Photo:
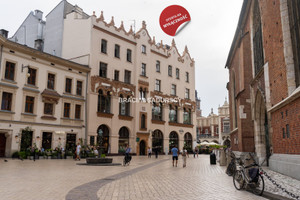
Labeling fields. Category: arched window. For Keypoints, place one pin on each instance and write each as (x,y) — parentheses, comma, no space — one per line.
(103,138)
(123,139)
(157,140)
(103,102)
(157,111)
(188,142)
(294,19)
(143,121)
(173,114)
(257,39)
(173,140)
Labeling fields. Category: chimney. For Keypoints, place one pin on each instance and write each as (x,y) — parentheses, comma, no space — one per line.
(39,44)
(4,33)
(38,14)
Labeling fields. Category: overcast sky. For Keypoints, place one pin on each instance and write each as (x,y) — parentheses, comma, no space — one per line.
(208,35)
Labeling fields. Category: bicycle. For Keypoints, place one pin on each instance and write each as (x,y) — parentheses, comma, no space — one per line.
(253,179)
(126,160)
(232,165)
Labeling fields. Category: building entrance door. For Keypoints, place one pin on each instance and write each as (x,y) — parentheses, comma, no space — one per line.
(142,148)
(2,145)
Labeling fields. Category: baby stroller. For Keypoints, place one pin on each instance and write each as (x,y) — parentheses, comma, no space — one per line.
(126,160)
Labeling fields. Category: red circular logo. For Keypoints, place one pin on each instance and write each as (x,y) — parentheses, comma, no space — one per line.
(172,17)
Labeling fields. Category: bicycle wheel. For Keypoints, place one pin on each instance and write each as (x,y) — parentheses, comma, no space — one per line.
(258,186)
(238,180)
(124,162)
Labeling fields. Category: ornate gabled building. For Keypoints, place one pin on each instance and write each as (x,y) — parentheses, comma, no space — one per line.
(264,92)
(131,66)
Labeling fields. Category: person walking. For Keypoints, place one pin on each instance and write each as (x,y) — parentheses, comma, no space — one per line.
(156,152)
(78,148)
(184,155)
(174,151)
(196,151)
(149,152)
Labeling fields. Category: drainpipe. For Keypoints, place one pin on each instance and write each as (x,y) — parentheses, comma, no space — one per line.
(86,107)
(1,50)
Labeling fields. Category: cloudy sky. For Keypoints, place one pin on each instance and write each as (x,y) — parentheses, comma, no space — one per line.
(208,35)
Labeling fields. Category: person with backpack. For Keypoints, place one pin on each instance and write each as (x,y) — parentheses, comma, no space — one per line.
(184,155)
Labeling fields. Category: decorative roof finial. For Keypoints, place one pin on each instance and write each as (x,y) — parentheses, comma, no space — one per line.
(121,26)
(144,24)
(101,18)
(161,43)
(112,22)
(153,40)
(130,30)
(186,49)
(173,43)
(94,13)
(212,111)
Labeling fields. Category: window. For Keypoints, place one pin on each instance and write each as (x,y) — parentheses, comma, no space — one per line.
(103,46)
(77,111)
(117,51)
(177,73)
(170,70)
(129,55)
(226,127)
(187,93)
(157,85)
(6,101)
(68,88)
(142,93)
(10,71)
(144,49)
(48,109)
(173,89)
(157,66)
(187,77)
(294,15)
(79,88)
(157,111)
(283,133)
(67,110)
(287,131)
(143,121)
(173,114)
(103,70)
(51,81)
(143,69)
(187,116)
(29,104)
(103,102)
(127,76)
(124,106)
(257,39)
(92,140)
(117,75)
(32,76)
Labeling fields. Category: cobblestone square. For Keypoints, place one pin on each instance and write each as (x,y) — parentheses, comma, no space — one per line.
(143,179)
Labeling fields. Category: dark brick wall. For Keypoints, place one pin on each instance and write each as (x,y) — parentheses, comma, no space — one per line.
(288,115)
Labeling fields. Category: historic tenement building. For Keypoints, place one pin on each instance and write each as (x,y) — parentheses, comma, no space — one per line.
(42,99)
(132,66)
(215,128)
(127,65)
(264,90)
